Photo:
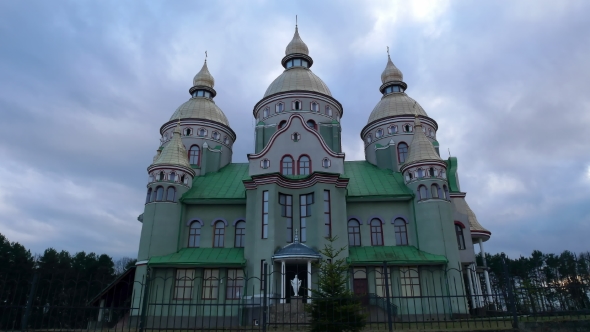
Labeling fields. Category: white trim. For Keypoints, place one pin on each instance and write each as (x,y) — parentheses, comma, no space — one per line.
(144,262)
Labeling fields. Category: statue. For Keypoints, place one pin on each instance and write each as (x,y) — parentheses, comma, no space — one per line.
(296,283)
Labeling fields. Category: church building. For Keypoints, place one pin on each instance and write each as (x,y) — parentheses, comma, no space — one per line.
(211,227)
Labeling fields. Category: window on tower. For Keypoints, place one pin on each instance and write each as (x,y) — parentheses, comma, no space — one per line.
(282,124)
(402,152)
(266,112)
(422,193)
(149,194)
(328,110)
(379,133)
(265,214)
(216,136)
(311,124)
(315,107)
(434,191)
(171,194)
(297,63)
(460,237)
(327,215)
(392,130)
(172,176)
(194,155)
(297,105)
(188,132)
(280,107)
(159,194)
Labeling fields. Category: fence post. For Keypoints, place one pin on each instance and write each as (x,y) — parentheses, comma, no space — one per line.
(387,297)
(145,301)
(511,298)
(264,293)
(29,304)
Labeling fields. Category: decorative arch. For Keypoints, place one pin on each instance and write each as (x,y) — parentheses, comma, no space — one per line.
(355,217)
(194,155)
(238,220)
(402,152)
(299,164)
(375,217)
(460,224)
(284,160)
(188,223)
(399,216)
(297,105)
(219,219)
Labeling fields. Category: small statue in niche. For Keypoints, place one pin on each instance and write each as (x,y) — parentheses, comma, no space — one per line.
(296,283)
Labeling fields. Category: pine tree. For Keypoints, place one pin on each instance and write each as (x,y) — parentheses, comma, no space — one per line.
(334,307)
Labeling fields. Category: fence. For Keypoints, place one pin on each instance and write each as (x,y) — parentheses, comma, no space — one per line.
(381,298)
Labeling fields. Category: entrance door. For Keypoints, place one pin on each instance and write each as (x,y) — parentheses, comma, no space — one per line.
(291,271)
(361,289)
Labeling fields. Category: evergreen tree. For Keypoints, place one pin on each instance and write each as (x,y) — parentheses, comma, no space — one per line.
(334,307)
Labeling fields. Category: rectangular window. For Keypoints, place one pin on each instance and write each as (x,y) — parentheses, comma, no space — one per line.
(235,284)
(305,202)
(380,282)
(210,284)
(410,281)
(286,202)
(327,215)
(183,287)
(265,214)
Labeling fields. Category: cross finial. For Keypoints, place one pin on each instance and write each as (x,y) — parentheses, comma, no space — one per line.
(295,20)
(205,56)
(449,152)
(387,50)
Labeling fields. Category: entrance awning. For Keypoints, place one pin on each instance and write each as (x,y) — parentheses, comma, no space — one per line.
(201,257)
(393,255)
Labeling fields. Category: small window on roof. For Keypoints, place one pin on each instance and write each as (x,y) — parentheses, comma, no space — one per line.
(392,130)
(266,112)
(379,133)
(315,107)
(328,110)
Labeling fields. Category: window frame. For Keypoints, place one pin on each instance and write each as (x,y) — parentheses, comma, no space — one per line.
(180,283)
(218,234)
(191,155)
(210,284)
(379,133)
(195,236)
(173,200)
(240,234)
(280,107)
(356,234)
(159,194)
(460,234)
(328,110)
(327,214)
(296,103)
(149,195)
(299,165)
(400,153)
(305,213)
(316,108)
(292,167)
(392,130)
(409,276)
(265,207)
(420,196)
(234,284)
(376,232)
(266,112)
(286,203)
(401,232)
(311,124)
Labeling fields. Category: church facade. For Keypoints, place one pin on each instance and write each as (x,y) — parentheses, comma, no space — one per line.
(211,227)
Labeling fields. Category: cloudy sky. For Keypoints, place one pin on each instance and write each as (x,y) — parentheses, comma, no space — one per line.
(85,86)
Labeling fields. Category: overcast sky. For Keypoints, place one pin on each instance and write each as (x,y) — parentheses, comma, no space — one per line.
(85,87)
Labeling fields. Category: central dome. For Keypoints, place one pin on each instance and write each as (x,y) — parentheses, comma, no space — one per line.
(297,78)
(200,108)
(396,104)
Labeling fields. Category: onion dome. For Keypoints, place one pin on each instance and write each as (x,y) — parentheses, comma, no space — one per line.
(421,148)
(391,73)
(477,230)
(296,45)
(201,105)
(297,75)
(174,153)
(203,77)
(394,101)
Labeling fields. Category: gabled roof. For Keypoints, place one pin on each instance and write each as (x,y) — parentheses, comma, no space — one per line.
(393,255)
(367,179)
(201,257)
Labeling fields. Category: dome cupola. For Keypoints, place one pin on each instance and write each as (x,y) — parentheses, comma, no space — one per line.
(174,153)
(201,105)
(421,148)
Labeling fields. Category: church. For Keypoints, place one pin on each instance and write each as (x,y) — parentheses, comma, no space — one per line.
(211,227)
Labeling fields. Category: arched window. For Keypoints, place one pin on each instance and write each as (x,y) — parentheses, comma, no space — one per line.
(401,232)
(149,194)
(422,193)
(354,233)
(265,163)
(431,171)
(326,163)
(407,128)
(240,236)
(446,191)
(172,176)
(282,124)
(402,152)
(194,235)
(159,194)
(218,234)
(369,138)
(379,133)
(376,232)
(430,133)
(153,197)
(280,107)
(161,176)
(311,124)
(296,105)
(443,174)
(216,136)
(182,178)
(392,130)
(315,107)
(304,165)
(266,112)
(225,140)
(188,132)
(287,165)
(194,155)
(328,110)
(420,173)
(151,178)
(202,132)
(434,191)
(460,237)
(171,194)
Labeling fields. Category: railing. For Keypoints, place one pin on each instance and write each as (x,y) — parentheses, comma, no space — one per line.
(160,301)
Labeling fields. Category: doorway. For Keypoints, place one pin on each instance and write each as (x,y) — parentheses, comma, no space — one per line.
(299,270)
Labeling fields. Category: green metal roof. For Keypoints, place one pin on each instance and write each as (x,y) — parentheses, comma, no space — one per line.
(225,183)
(202,257)
(393,255)
(367,179)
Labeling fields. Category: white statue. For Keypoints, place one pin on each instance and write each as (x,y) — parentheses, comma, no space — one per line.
(296,283)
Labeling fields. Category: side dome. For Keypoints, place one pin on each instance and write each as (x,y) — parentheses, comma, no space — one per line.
(396,104)
(297,78)
(200,108)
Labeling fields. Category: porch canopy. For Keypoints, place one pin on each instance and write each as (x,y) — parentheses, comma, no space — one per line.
(201,257)
(393,255)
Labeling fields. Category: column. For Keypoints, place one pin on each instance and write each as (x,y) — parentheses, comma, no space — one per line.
(283,277)
(308,281)
(485,271)
(471,290)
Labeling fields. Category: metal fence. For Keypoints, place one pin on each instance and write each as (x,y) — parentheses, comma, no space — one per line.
(394,299)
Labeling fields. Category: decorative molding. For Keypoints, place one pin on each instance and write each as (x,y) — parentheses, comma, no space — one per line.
(404,218)
(282,181)
(355,218)
(219,219)
(188,223)
(375,217)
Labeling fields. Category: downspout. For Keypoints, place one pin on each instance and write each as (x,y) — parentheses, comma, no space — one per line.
(415,222)
(180,225)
